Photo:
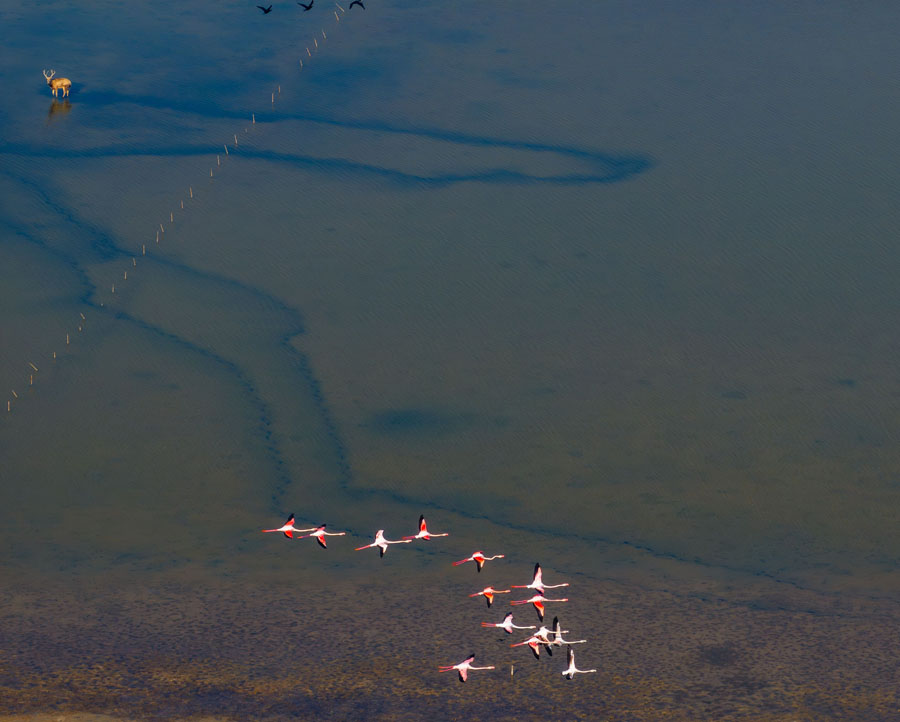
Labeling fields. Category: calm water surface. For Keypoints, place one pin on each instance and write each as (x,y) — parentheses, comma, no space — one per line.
(607,286)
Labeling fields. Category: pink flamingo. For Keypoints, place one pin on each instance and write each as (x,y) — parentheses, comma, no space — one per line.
(538,583)
(538,601)
(463,667)
(479,558)
(558,641)
(423,531)
(488,593)
(320,535)
(382,543)
(288,528)
(535,643)
(506,624)
(572,669)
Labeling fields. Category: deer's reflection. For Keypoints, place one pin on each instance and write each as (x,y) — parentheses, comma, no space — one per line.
(58,108)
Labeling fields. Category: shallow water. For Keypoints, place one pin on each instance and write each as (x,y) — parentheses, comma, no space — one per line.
(607,287)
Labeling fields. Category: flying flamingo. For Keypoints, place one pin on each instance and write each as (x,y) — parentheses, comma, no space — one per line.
(382,543)
(538,583)
(558,641)
(572,669)
(488,593)
(479,558)
(288,528)
(320,535)
(538,601)
(463,667)
(423,531)
(535,643)
(506,624)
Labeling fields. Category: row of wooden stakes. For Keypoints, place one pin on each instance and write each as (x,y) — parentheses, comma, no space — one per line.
(160,232)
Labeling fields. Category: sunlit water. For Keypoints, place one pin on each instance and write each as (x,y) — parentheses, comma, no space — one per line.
(605,286)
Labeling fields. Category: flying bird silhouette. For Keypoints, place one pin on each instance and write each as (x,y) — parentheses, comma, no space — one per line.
(266,11)
(306,7)
(356,2)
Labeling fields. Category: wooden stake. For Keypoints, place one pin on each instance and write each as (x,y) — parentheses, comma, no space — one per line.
(67,339)
(273,98)
(307,52)
(14,393)
(301,63)
(226,148)
(133,262)
(324,36)
(31,379)
(126,276)
(316,41)
(336,17)
(253,116)
(182,205)
(210,173)
(162,230)
(113,290)
(32,366)
(171,217)
(218,160)
(235,140)
(191,191)
(279,90)
(143,250)
(54,354)
(157,236)
(82,316)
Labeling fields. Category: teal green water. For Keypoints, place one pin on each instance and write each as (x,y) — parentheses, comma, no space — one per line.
(607,287)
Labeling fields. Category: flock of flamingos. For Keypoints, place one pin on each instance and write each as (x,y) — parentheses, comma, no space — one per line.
(543,637)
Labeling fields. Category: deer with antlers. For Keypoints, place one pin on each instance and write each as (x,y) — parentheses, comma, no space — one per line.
(58,84)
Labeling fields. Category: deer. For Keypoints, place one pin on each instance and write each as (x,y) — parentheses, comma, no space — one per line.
(58,84)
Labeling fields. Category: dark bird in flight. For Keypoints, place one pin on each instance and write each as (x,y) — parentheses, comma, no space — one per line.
(306,7)
(266,11)
(357,2)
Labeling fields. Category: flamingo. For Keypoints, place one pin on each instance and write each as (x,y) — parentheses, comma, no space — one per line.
(506,624)
(288,528)
(381,542)
(538,601)
(320,535)
(488,593)
(538,583)
(463,667)
(423,531)
(535,643)
(572,670)
(479,558)
(558,633)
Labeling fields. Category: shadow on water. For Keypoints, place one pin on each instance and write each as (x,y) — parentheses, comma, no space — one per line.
(58,109)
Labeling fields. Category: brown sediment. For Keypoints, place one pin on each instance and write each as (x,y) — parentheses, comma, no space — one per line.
(364,650)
